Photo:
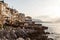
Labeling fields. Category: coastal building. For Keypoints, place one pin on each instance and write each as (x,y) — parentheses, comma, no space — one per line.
(15,15)
(21,17)
(28,18)
(3,7)
(2,11)
(10,13)
(19,26)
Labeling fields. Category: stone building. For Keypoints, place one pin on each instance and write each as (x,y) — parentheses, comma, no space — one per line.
(28,18)
(21,17)
(2,11)
(15,15)
(10,13)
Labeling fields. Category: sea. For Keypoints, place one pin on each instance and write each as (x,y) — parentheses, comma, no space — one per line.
(54,29)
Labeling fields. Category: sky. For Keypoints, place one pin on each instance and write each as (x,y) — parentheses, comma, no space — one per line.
(37,8)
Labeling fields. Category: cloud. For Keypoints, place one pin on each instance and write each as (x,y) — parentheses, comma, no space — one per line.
(37,7)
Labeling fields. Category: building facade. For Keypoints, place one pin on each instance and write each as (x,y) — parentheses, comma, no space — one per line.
(10,13)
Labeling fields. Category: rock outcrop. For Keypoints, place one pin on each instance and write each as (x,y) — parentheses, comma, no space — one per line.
(15,25)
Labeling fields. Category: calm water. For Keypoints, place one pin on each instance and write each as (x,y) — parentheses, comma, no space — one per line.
(53,28)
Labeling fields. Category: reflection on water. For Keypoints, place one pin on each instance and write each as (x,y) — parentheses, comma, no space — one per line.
(53,28)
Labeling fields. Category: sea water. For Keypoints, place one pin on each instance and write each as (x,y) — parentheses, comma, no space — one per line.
(53,28)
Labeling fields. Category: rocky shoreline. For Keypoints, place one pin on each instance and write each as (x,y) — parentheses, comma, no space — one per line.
(15,25)
(31,32)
